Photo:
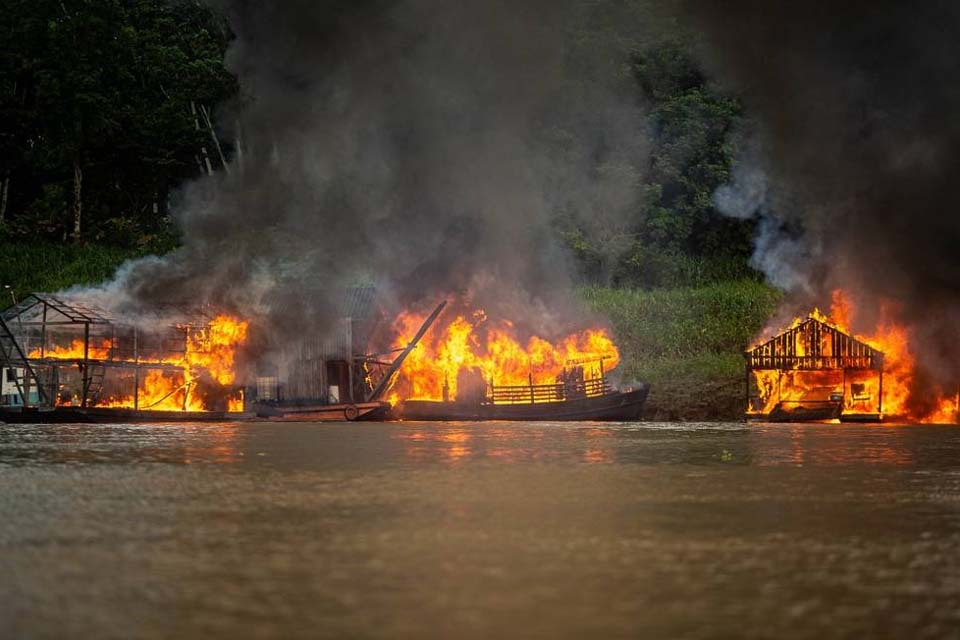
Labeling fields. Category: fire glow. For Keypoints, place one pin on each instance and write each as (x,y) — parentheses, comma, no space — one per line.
(209,359)
(471,350)
(861,390)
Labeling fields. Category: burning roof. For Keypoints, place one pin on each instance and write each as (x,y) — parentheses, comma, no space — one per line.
(819,360)
(814,345)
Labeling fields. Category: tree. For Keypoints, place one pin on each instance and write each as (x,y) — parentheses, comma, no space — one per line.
(99,95)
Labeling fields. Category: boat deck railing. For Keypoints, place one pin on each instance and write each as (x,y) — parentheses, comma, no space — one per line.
(556,392)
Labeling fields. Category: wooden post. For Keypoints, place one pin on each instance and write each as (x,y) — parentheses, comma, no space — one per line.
(530,380)
(843,399)
(85,367)
(26,387)
(43,333)
(880,394)
(136,370)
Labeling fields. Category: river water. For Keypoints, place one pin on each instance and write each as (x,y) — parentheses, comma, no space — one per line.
(499,530)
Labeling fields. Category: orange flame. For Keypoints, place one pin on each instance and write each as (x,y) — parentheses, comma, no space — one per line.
(210,352)
(861,390)
(475,351)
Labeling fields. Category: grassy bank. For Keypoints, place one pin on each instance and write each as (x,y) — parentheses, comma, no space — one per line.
(42,266)
(687,343)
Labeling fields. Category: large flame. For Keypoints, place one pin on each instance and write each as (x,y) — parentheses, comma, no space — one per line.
(472,349)
(210,355)
(862,389)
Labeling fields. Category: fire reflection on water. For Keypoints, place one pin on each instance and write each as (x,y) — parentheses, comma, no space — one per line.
(596,453)
(221,447)
(802,445)
(453,444)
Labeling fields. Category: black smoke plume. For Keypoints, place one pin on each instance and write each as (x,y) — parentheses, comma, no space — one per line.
(854,156)
(394,142)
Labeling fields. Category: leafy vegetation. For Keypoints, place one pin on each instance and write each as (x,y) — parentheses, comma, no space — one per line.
(53,266)
(103,107)
(687,343)
(670,234)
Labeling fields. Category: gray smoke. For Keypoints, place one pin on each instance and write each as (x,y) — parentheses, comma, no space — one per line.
(408,143)
(856,107)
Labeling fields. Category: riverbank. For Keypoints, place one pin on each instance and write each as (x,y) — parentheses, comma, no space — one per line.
(687,343)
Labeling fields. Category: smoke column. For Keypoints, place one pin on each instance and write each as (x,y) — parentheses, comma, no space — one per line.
(855,152)
(394,140)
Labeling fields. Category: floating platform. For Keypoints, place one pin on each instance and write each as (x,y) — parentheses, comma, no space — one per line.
(814,412)
(44,415)
(617,406)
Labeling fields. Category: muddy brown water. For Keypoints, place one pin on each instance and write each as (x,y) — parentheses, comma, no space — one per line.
(492,530)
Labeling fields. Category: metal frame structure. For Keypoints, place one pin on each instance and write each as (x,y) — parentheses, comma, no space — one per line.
(35,332)
(814,345)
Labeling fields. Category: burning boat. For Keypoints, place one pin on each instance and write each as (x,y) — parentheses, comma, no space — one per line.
(63,361)
(475,368)
(333,377)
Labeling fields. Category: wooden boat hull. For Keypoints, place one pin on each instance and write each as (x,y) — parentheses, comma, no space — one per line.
(98,415)
(323,412)
(813,411)
(618,406)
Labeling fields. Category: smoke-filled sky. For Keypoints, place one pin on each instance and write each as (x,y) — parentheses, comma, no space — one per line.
(399,142)
(853,154)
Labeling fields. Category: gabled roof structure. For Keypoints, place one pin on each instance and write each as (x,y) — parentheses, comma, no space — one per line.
(814,345)
(49,309)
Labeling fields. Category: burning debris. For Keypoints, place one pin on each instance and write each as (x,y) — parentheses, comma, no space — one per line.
(818,369)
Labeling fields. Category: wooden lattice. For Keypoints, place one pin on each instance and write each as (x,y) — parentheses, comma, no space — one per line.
(813,346)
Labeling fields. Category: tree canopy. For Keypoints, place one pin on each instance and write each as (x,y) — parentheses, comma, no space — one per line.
(105,97)
(108,106)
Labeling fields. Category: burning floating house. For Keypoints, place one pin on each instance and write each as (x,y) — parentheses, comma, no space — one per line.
(62,360)
(814,371)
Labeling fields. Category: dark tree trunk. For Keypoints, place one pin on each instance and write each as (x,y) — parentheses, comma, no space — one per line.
(4,197)
(77,198)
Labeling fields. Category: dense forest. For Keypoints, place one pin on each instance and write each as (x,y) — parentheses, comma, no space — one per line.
(108,107)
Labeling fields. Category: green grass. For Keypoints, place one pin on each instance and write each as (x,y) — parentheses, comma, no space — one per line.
(41,266)
(687,343)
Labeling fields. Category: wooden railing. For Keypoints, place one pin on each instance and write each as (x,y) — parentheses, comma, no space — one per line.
(557,392)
